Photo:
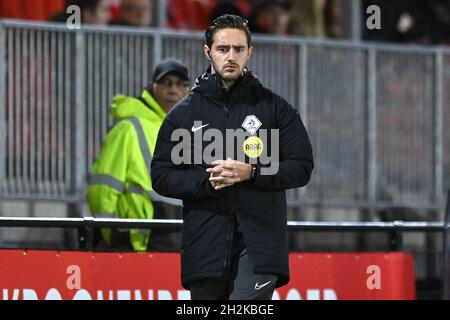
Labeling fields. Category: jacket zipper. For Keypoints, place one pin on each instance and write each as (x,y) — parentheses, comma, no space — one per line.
(229,248)
(231,226)
(227,113)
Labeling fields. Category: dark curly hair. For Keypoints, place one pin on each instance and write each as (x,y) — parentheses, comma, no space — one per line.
(224,22)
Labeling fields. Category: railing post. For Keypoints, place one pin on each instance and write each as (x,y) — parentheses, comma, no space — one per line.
(372,166)
(162,12)
(446,253)
(395,240)
(85,239)
(356,20)
(81,236)
(2,101)
(303,98)
(79,166)
(438,126)
(2,119)
(303,83)
(157,47)
(86,236)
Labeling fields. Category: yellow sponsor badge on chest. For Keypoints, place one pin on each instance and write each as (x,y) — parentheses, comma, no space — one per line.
(253,147)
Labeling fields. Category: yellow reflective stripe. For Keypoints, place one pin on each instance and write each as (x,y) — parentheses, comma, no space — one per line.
(145,150)
(108,180)
(134,188)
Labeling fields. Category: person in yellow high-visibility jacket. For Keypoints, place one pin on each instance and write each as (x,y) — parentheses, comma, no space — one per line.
(119,184)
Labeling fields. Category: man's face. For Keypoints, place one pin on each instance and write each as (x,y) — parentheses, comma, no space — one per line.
(169,90)
(137,12)
(229,54)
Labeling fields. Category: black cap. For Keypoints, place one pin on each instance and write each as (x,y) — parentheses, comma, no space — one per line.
(170,66)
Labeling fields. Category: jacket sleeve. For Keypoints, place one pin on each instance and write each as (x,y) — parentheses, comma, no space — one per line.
(180,181)
(107,178)
(295,154)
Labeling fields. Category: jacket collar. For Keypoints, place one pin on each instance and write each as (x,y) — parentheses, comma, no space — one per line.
(211,86)
(144,106)
(151,103)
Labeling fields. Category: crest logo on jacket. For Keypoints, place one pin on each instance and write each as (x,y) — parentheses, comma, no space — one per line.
(251,124)
(204,144)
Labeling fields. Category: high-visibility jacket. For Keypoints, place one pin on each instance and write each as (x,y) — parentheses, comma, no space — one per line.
(119,185)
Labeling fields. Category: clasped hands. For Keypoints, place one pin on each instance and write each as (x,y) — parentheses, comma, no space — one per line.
(226,173)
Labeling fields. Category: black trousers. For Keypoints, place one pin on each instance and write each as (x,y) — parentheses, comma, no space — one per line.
(239,282)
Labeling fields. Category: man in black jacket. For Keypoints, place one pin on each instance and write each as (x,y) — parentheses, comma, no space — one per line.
(229,150)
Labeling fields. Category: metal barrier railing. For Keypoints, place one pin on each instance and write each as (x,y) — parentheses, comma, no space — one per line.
(88,224)
(375,113)
(395,230)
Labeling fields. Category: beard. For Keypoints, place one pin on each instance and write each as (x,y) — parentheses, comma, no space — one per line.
(226,75)
(230,76)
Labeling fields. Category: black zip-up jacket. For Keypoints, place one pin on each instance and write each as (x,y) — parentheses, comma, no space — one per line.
(259,205)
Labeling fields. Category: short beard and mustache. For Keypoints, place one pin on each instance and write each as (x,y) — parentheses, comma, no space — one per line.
(230,76)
